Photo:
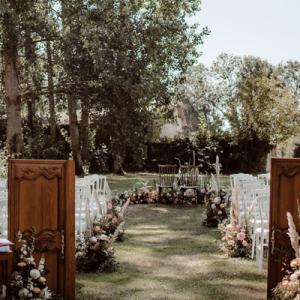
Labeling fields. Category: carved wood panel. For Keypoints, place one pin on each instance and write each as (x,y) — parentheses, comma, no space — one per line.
(41,205)
(285,189)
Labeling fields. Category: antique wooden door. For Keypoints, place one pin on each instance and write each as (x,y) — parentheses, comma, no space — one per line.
(41,199)
(285,189)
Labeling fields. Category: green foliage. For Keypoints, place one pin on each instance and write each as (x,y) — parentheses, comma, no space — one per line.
(119,61)
(248,99)
(262,105)
(38,145)
(133,53)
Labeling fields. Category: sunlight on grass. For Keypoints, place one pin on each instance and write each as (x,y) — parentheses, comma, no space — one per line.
(168,254)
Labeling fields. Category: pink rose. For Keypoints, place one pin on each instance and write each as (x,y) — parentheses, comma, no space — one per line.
(36,290)
(241,236)
(93,240)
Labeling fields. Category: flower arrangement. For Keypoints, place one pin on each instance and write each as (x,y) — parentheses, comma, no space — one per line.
(94,249)
(235,240)
(94,253)
(215,200)
(139,196)
(29,280)
(170,197)
(289,287)
(141,193)
(215,208)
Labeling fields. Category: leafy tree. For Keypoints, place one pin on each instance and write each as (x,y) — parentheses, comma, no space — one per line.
(262,104)
(289,74)
(256,103)
(139,49)
(116,61)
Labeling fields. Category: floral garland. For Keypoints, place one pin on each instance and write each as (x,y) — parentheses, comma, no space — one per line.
(142,193)
(94,251)
(140,196)
(235,240)
(29,280)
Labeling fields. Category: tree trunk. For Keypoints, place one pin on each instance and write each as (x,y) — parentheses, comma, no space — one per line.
(30,116)
(118,153)
(74,134)
(30,61)
(51,99)
(118,164)
(84,132)
(72,105)
(11,86)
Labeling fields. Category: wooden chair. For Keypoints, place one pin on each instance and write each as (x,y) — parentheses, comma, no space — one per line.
(167,178)
(188,178)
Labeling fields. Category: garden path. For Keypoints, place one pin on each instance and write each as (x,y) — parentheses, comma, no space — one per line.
(168,254)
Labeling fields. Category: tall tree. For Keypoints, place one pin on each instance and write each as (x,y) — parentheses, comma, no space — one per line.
(139,50)
(9,25)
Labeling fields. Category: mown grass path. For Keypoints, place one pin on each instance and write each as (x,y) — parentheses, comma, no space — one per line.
(168,254)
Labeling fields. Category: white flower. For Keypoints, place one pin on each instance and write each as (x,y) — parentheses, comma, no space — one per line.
(213,206)
(35,274)
(231,243)
(23,293)
(217,200)
(45,293)
(42,280)
(189,193)
(104,237)
(41,264)
(294,277)
(93,240)
(29,260)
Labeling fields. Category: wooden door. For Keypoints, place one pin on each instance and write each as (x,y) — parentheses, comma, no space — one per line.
(285,189)
(41,199)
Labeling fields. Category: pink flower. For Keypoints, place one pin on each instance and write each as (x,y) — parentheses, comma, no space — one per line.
(142,190)
(93,240)
(241,236)
(36,290)
(109,206)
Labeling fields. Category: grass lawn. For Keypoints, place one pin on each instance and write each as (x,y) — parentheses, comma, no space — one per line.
(168,254)
(120,184)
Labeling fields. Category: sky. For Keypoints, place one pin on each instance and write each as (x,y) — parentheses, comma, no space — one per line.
(269,29)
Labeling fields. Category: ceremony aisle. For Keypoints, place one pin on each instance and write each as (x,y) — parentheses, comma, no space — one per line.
(168,254)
